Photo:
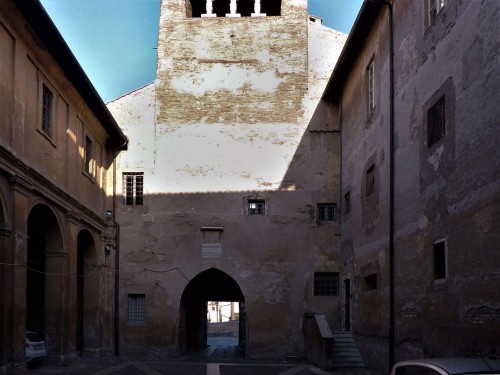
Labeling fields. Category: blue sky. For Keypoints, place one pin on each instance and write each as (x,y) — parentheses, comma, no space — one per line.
(115,40)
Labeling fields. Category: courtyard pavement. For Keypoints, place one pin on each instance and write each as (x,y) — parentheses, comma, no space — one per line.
(220,358)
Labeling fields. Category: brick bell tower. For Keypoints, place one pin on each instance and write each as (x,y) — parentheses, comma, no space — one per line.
(232,62)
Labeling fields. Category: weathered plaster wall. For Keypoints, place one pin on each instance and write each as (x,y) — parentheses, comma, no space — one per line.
(206,66)
(457,183)
(217,140)
(448,191)
(25,67)
(46,202)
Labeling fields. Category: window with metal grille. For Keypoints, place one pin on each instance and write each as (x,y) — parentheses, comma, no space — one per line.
(327,211)
(326,284)
(89,156)
(440,261)
(133,184)
(436,119)
(136,308)
(256,207)
(47,105)
(370,83)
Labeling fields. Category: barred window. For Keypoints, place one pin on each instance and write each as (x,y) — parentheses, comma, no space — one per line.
(136,308)
(327,211)
(257,207)
(47,107)
(326,283)
(436,122)
(133,183)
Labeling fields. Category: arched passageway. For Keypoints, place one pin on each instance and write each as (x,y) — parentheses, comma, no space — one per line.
(88,322)
(209,285)
(44,275)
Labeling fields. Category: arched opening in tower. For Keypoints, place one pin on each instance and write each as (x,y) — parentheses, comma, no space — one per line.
(212,288)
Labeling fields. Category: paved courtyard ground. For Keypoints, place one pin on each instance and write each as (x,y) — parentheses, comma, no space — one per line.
(221,357)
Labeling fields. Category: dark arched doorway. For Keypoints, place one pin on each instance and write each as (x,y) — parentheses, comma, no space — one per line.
(87,325)
(209,285)
(44,274)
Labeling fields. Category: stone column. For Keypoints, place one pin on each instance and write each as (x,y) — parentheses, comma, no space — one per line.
(257,10)
(17,255)
(209,10)
(70,306)
(232,9)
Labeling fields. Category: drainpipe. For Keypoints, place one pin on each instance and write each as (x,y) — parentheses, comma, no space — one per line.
(391,182)
(117,263)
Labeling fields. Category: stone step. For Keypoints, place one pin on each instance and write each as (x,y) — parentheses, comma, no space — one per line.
(346,352)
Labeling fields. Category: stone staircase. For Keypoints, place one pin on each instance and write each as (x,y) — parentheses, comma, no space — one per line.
(345,351)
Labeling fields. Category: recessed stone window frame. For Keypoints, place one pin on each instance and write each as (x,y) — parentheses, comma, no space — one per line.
(436,121)
(347,202)
(47,123)
(370,180)
(440,259)
(89,157)
(47,108)
(441,106)
(370,88)
(370,282)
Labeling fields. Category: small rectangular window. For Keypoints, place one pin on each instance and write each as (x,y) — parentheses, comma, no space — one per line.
(327,211)
(257,207)
(47,110)
(347,202)
(370,282)
(436,119)
(440,260)
(136,308)
(133,187)
(370,180)
(89,156)
(370,83)
(326,284)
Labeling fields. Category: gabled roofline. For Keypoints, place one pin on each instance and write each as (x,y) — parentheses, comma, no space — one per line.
(40,22)
(355,41)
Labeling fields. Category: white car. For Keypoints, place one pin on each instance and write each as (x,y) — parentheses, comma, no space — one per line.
(35,348)
(447,366)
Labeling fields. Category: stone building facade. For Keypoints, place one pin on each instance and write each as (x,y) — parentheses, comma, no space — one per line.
(231,181)
(57,145)
(420,179)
